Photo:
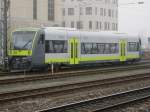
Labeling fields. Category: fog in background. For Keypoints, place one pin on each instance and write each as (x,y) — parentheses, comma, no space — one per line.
(135,18)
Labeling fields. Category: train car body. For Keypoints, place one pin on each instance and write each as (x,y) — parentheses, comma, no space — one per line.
(40,47)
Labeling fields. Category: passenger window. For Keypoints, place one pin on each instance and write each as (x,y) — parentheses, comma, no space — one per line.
(99,48)
(133,46)
(56,46)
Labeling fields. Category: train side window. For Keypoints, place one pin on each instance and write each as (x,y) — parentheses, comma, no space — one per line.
(107,48)
(83,48)
(101,48)
(94,48)
(88,48)
(138,46)
(56,46)
(114,48)
(133,46)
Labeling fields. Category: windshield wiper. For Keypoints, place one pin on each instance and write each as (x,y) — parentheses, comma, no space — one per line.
(26,44)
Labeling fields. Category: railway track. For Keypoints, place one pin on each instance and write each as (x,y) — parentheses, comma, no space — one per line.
(75,68)
(38,90)
(104,103)
(11,79)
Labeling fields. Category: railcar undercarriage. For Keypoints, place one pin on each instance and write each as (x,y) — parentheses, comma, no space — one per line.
(20,63)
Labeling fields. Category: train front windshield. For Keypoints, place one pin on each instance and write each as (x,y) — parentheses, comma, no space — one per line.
(22,40)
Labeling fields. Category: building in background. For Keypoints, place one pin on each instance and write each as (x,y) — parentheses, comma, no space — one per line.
(90,14)
(81,14)
(32,13)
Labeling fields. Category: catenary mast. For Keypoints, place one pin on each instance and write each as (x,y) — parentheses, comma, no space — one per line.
(4,25)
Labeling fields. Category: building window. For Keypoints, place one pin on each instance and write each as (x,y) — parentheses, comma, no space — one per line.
(112,13)
(115,1)
(109,12)
(72,24)
(63,11)
(50,9)
(116,13)
(116,26)
(97,25)
(90,24)
(34,9)
(105,26)
(96,10)
(70,11)
(88,10)
(108,26)
(101,11)
(81,11)
(63,24)
(79,25)
(104,12)
(100,25)
(107,1)
(113,26)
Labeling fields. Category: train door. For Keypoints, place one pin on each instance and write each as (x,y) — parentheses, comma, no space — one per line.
(39,50)
(74,46)
(123,50)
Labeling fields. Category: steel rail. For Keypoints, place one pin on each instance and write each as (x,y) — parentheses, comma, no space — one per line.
(27,78)
(34,92)
(17,72)
(103,103)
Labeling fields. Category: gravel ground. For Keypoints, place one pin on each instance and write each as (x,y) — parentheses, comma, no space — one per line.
(142,106)
(146,55)
(33,104)
(68,80)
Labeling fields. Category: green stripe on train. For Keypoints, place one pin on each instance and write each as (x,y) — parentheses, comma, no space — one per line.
(56,60)
(74,43)
(20,52)
(122,50)
(98,58)
(101,58)
(133,56)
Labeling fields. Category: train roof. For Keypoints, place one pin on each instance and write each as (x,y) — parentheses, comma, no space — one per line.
(106,34)
(60,28)
(89,33)
(27,29)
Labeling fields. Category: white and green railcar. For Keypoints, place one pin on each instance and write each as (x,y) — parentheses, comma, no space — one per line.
(40,47)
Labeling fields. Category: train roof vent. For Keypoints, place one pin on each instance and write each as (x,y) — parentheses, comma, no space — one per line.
(61,28)
(120,33)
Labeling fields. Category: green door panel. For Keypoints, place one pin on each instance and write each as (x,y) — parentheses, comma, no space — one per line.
(74,43)
(71,42)
(123,45)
